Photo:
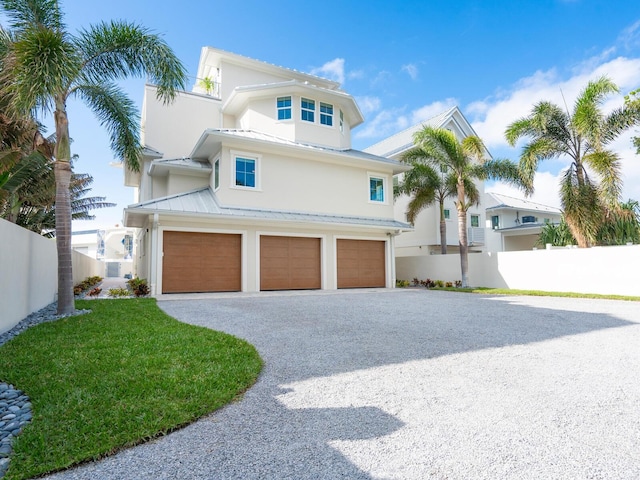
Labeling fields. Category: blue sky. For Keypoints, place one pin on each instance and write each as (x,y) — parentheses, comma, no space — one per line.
(402,61)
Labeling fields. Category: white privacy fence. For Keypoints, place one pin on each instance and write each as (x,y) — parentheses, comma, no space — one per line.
(604,270)
(29,272)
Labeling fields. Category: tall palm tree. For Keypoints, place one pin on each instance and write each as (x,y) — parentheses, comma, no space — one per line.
(582,136)
(466,161)
(44,65)
(426,185)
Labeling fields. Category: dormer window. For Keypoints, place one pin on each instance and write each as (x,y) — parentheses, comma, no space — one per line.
(284,108)
(307,108)
(326,114)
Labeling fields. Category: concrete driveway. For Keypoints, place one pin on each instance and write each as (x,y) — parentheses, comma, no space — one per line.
(412,384)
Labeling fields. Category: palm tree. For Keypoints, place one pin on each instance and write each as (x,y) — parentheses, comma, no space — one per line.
(44,66)
(466,161)
(426,185)
(583,137)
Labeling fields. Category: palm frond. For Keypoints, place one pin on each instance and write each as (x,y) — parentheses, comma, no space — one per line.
(118,114)
(118,49)
(588,119)
(38,69)
(607,166)
(24,14)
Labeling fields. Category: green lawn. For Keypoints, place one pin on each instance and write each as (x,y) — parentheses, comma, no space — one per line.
(116,377)
(538,293)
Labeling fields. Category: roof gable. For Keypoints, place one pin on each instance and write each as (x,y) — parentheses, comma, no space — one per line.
(397,144)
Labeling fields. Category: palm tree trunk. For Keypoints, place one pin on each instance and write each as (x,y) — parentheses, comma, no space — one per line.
(62,172)
(443,231)
(462,233)
(464,248)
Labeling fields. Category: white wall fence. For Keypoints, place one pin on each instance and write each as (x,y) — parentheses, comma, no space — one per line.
(603,270)
(29,272)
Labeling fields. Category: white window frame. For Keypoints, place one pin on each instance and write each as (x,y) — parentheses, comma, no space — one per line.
(279,109)
(385,188)
(322,114)
(307,110)
(447,214)
(235,154)
(216,174)
(471,220)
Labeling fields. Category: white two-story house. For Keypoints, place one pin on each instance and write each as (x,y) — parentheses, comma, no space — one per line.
(425,238)
(249,183)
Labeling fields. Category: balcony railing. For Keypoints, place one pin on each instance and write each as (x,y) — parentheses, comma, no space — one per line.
(475,236)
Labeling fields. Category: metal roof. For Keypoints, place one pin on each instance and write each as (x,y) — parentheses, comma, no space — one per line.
(205,203)
(512,203)
(162,166)
(268,138)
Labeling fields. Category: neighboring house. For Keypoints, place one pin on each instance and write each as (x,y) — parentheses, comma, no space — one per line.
(516,223)
(251,184)
(114,246)
(425,238)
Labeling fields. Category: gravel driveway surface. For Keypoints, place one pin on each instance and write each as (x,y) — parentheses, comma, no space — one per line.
(412,384)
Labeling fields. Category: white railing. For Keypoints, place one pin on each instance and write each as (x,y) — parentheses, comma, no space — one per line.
(475,236)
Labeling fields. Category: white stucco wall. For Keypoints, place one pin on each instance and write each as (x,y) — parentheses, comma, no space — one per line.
(174,129)
(603,270)
(303,184)
(28,273)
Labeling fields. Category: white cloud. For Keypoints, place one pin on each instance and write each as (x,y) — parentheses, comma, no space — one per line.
(385,123)
(333,70)
(491,116)
(391,121)
(411,69)
(431,110)
(355,74)
(630,36)
(368,104)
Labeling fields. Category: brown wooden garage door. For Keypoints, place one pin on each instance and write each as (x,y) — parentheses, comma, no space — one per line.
(201,262)
(289,263)
(361,263)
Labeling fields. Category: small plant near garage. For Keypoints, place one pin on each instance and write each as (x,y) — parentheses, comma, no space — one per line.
(139,286)
(119,292)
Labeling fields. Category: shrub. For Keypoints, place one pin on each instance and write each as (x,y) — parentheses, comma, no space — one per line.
(458,283)
(402,283)
(138,286)
(95,292)
(119,292)
(439,283)
(448,284)
(416,282)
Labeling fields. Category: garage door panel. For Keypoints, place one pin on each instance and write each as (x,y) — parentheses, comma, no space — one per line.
(289,263)
(201,262)
(361,263)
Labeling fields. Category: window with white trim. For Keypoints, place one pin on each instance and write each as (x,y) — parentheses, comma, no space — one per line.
(326,114)
(283,105)
(376,189)
(245,172)
(216,174)
(475,220)
(447,214)
(307,109)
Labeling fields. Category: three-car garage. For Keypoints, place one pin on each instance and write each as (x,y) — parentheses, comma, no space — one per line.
(213,262)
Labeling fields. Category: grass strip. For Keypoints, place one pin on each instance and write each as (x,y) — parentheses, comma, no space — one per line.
(116,377)
(537,293)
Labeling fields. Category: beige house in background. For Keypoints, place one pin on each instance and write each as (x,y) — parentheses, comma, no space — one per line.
(515,223)
(251,184)
(425,238)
